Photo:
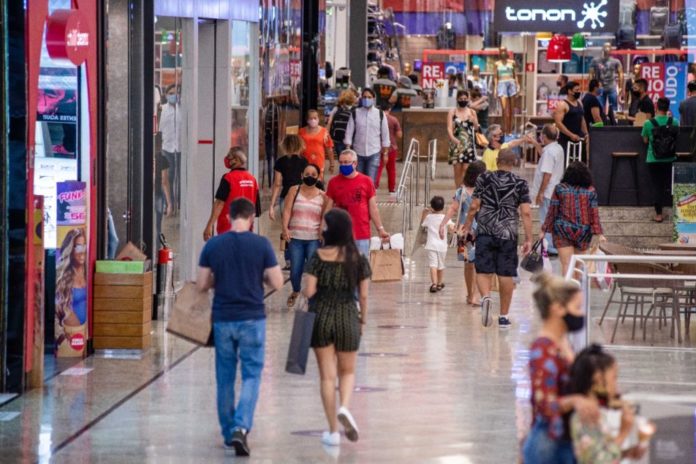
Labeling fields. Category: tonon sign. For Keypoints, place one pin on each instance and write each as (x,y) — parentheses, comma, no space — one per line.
(556,16)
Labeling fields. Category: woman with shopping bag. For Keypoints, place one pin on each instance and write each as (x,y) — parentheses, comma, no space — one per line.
(573,217)
(333,274)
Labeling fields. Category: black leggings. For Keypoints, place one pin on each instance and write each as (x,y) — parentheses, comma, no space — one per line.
(661,174)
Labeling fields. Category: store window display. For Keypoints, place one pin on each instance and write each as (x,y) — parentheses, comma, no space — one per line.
(609,72)
(505,86)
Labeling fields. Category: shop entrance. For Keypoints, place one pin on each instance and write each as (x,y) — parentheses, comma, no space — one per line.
(204,92)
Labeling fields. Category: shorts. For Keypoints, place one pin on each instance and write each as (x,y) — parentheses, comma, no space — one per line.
(571,235)
(436,259)
(496,256)
(507,88)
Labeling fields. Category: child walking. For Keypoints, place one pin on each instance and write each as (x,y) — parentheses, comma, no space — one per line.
(434,245)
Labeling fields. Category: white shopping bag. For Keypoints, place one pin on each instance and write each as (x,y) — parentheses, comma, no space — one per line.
(396,241)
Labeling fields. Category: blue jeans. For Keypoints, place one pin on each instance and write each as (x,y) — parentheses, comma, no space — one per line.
(300,251)
(174,173)
(540,448)
(609,95)
(369,165)
(286,253)
(363,247)
(543,210)
(238,341)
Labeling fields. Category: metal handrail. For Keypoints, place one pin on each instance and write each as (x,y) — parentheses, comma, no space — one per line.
(408,190)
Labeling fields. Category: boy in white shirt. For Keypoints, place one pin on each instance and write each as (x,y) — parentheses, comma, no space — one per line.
(434,245)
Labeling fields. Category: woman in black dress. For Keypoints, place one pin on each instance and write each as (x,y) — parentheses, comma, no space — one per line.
(334,274)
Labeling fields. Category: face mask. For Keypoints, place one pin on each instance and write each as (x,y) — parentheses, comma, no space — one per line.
(463,103)
(346,170)
(577,95)
(573,322)
(309,181)
(171,99)
(313,123)
(367,102)
(559,84)
(228,163)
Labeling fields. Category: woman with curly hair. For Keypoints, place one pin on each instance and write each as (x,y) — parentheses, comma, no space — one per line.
(71,286)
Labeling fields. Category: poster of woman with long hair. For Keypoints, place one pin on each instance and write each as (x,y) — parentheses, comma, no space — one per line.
(71,294)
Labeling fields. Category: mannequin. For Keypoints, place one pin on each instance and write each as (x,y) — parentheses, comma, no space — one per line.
(505,86)
(477,82)
(407,69)
(606,70)
(628,86)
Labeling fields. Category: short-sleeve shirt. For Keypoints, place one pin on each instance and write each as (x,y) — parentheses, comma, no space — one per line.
(394,127)
(644,105)
(316,145)
(490,156)
(353,195)
(551,162)
(687,112)
(590,101)
(606,70)
(291,168)
(432,223)
(238,261)
(501,193)
(648,132)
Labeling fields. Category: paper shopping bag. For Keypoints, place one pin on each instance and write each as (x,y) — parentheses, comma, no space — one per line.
(386,265)
(300,341)
(191,317)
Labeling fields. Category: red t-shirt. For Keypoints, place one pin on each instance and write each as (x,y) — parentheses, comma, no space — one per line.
(236,184)
(394,127)
(354,195)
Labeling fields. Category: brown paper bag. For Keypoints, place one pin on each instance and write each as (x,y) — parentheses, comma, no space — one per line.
(386,265)
(191,317)
(131,252)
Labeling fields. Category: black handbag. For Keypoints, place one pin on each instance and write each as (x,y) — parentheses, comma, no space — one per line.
(300,341)
(534,261)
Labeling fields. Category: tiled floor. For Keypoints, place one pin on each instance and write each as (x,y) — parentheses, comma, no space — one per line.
(433,387)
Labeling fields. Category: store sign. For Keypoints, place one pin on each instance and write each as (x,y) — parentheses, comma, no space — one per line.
(431,73)
(454,67)
(568,16)
(67,37)
(654,73)
(666,80)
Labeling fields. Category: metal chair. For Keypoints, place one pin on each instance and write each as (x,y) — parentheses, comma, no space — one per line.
(615,249)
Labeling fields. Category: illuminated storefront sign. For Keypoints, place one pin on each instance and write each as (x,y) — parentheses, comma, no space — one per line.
(556,16)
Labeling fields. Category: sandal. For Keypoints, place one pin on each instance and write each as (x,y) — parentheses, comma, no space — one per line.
(440,286)
(292,299)
(433,288)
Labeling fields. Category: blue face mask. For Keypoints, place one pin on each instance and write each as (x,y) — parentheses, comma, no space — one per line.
(367,102)
(171,99)
(346,170)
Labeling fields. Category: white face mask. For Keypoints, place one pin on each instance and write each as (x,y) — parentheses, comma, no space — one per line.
(313,123)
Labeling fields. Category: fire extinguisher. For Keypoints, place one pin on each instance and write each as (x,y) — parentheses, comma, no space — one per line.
(165,284)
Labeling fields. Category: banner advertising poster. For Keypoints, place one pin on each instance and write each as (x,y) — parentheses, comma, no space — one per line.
(71,269)
(666,80)
(684,192)
(432,72)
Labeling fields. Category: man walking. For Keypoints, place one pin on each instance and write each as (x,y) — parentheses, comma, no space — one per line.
(237,264)
(170,127)
(499,198)
(687,108)
(355,192)
(368,134)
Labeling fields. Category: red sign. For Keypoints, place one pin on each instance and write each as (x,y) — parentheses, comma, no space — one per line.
(552,103)
(654,73)
(67,36)
(529,67)
(431,73)
(295,69)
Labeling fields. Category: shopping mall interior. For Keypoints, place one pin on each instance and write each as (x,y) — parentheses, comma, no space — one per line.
(558,138)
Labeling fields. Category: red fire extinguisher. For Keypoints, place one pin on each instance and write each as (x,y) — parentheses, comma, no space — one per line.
(165,284)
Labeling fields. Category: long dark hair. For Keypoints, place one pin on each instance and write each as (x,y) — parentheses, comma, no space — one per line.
(339,233)
(589,361)
(472,173)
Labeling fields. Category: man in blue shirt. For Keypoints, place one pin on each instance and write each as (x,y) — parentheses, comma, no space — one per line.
(237,264)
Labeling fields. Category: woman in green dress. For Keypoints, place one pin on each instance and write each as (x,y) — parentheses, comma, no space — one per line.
(334,273)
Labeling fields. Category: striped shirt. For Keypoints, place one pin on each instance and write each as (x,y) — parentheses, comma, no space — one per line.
(305,220)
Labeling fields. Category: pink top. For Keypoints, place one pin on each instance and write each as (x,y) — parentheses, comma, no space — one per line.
(305,220)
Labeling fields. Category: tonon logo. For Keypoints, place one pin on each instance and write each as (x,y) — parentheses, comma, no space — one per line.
(591,13)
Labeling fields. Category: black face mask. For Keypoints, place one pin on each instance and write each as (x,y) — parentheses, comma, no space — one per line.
(577,95)
(463,104)
(310,181)
(635,93)
(573,322)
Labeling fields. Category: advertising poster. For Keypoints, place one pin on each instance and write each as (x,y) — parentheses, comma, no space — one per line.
(71,269)
(432,72)
(654,73)
(684,192)
(666,80)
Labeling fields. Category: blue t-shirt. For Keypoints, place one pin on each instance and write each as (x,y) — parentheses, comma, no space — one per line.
(238,261)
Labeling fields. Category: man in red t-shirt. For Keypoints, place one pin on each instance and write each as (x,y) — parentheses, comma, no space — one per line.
(355,193)
(389,159)
(237,183)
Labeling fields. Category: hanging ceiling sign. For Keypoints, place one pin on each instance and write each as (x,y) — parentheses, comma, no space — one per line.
(567,16)
(67,36)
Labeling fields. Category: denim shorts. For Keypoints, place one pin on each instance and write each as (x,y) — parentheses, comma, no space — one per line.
(507,88)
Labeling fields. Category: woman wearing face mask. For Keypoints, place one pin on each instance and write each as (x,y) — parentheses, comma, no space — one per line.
(318,143)
(334,274)
(301,225)
(570,117)
(461,125)
(594,376)
(559,302)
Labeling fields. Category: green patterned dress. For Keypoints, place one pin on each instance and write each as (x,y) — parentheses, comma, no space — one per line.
(337,322)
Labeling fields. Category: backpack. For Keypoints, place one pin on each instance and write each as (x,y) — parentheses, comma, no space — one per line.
(672,36)
(664,139)
(339,124)
(353,112)
(626,37)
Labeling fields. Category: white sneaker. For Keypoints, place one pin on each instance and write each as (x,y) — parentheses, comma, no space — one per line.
(331,439)
(349,425)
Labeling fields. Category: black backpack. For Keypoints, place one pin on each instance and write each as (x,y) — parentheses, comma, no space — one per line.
(672,36)
(664,139)
(339,124)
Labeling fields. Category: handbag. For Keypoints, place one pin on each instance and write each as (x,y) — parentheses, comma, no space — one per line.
(534,261)
(300,341)
(191,317)
(481,140)
(386,264)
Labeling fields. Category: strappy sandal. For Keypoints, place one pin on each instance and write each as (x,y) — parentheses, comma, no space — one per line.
(292,299)
(433,288)
(440,287)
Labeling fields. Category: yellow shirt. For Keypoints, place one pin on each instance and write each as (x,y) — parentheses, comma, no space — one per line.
(490,157)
